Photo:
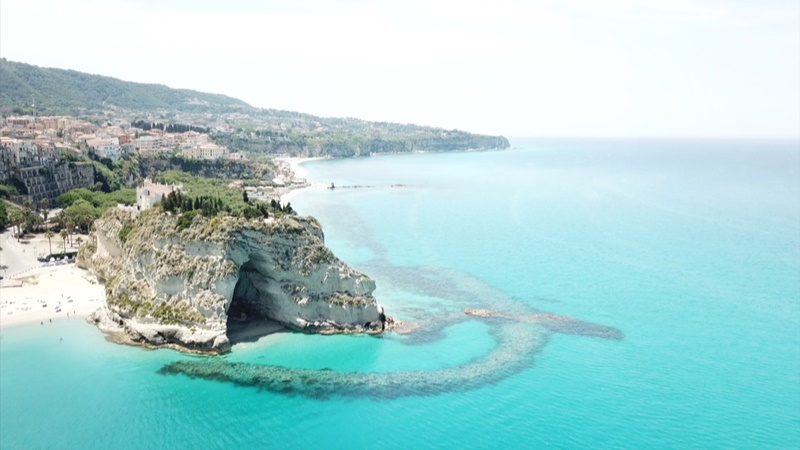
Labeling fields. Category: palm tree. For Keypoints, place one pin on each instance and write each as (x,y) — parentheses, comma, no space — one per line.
(45,212)
(16,217)
(64,235)
(68,224)
(27,209)
(49,234)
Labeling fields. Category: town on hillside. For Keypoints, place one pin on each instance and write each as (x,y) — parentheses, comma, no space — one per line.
(49,156)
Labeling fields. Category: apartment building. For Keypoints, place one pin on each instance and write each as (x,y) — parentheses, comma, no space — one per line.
(207,151)
(42,168)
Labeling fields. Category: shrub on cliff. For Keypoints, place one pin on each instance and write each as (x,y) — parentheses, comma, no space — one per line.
(126,229)
(3,215)
(185,219)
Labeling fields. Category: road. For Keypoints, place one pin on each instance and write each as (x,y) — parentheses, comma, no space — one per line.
(16,257)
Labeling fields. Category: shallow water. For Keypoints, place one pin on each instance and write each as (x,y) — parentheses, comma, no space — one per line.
(691,249)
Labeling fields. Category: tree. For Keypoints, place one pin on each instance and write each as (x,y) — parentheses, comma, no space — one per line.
(68,223)
(49,235)
(63,235)
(3,215)
(15,217)
(81,213)
(45,211)
(27,212)
(29,218)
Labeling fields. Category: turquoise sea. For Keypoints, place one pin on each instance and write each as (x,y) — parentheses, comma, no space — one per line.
(690,249)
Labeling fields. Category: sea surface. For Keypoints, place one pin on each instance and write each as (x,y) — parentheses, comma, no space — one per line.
(690,249)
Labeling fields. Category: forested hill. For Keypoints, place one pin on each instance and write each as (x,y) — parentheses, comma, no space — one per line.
(59,91)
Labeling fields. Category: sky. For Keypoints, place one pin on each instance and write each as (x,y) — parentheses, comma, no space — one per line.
(549,68)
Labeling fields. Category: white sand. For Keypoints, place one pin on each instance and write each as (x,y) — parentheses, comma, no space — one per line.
(288,196)
(296,166)
(55,285)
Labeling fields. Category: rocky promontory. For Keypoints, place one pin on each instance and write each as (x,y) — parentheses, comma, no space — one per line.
(187,284)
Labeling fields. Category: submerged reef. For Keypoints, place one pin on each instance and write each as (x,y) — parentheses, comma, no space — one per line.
(517,342)
(520,333)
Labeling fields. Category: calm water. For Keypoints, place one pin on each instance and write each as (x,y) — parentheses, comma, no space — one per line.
(691,249)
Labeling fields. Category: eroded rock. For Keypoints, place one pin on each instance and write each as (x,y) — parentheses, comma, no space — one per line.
(167,287)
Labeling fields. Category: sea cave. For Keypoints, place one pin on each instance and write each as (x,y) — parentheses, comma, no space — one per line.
(251,310)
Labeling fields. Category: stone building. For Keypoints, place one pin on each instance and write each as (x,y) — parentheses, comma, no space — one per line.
(149,193)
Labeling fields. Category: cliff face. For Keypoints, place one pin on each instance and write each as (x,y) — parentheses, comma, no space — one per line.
(187,288)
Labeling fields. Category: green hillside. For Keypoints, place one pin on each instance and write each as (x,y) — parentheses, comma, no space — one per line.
(58,91)
(252,130)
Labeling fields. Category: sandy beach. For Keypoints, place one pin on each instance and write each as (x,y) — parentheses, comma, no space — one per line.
(295,165)
(48,294)
(31,292)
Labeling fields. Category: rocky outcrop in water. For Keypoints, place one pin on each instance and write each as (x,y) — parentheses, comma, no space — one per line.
(185,288)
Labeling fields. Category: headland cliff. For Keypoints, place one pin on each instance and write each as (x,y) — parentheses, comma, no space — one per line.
(187,285)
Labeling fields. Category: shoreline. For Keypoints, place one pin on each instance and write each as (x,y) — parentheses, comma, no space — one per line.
(29,285)
(295,166)
(34,297)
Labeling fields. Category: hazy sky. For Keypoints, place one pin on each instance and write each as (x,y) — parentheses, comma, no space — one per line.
(649,68)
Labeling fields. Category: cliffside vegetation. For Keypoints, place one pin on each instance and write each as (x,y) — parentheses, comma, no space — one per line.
(97,199)
(131,170)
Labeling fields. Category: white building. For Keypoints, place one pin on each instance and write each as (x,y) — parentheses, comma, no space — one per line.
(105,148)
(149,193)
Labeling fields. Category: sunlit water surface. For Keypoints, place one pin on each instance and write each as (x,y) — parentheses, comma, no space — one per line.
(691,249)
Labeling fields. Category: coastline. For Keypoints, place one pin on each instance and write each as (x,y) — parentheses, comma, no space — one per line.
(34,297)
(295,166)
(29,285)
